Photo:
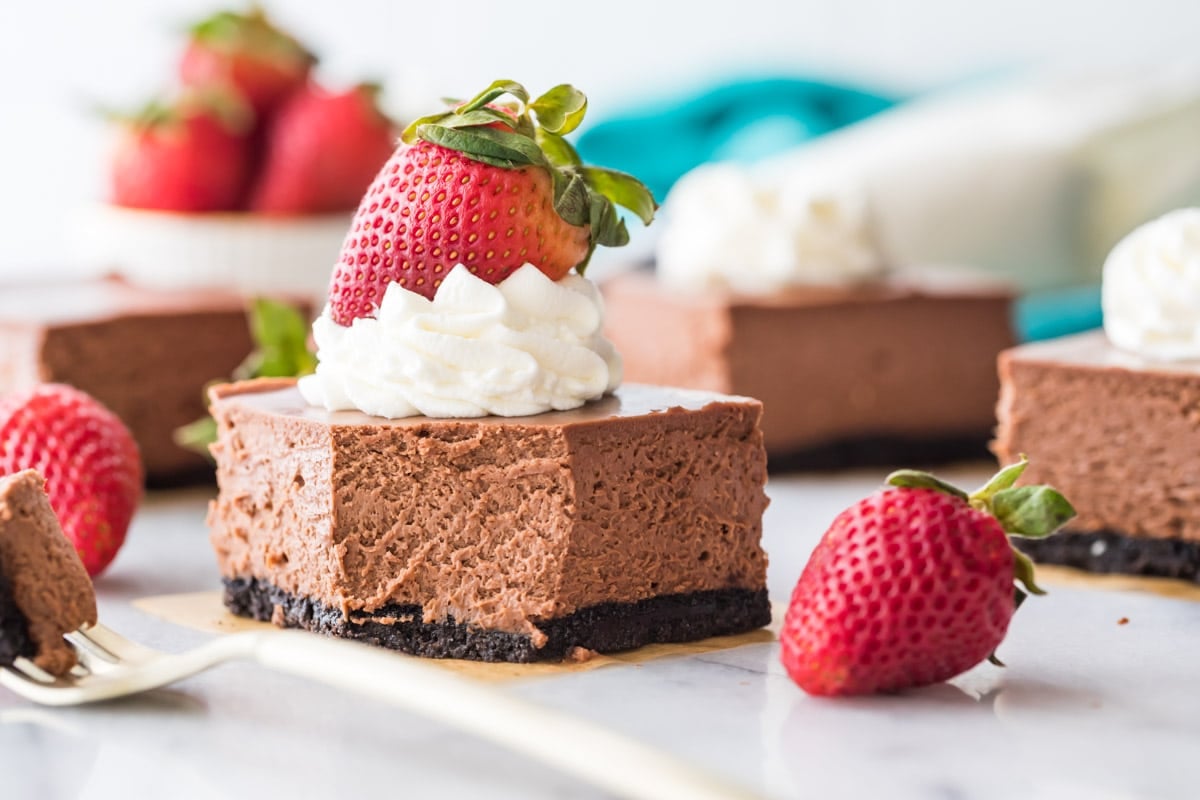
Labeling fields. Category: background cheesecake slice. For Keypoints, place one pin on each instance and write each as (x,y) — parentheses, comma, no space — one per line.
(1120,435)
(631,520)
(884,373)
(146,354)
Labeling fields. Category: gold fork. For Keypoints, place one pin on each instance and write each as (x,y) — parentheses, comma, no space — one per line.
(112,666)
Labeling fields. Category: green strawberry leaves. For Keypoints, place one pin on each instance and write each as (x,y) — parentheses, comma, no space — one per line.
(197,436)
(494,92)
(251,32)
(280,333)
(1023,572)
(531,134)
(1031,511)
(571,198)
(915,479)
(622,189)
(607,226)
(561,109)
(491,146)
(558,150)
(1004,479)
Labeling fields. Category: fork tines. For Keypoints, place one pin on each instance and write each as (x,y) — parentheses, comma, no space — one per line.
(92,654)
(27,669)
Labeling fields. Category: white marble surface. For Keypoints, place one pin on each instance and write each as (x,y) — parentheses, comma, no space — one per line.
(1087,708)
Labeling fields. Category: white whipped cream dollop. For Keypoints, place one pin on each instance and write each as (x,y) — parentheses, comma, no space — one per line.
(727,229)
(1151,288)
(522,347)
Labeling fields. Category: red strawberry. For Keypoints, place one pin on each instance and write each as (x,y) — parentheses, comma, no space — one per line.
(914,585)
(90,462)
(194,156)
(488,187)
(322,150)
(248,53)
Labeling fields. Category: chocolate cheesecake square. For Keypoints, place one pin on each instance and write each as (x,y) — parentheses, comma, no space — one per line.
(890,373)
(1119,435)
(634,519)
(146,354)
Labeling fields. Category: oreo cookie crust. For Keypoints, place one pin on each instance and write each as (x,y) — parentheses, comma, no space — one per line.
(882,451)
(605,628)
(1112,552)
(14,628)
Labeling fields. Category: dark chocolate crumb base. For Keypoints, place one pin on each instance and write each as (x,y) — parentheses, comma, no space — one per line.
(199,475)
(14,628)
(883,451)
(1113,552)
(605,628)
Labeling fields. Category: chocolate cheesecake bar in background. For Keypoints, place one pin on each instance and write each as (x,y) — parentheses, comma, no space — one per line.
(147,354)
(1119,434)
(633,519)
(888,372)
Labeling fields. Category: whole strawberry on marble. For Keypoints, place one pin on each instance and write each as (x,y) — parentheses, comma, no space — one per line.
(88,457)
(488,185)
(915,584)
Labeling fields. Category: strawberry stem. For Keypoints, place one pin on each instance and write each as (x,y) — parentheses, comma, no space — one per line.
(1004,479)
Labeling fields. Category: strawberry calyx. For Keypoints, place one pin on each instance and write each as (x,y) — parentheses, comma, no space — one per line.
(251,33)
(1031,512)
(371,93)
(221,105)
(531,133)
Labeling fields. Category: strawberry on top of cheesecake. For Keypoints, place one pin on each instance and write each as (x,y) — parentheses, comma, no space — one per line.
(454,295)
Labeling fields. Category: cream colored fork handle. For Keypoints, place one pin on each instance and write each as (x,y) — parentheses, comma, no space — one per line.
(601,757)
(130,678)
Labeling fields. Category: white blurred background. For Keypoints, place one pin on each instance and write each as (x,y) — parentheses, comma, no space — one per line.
(60,59)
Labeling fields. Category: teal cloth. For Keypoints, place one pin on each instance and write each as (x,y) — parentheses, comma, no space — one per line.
(1058,312)
(748,120)
(736,121)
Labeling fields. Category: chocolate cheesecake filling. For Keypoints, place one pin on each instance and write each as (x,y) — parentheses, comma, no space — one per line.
(897,372)
(45,591)
(495,525)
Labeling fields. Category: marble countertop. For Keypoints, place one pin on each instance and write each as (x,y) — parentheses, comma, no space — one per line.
(1088,707)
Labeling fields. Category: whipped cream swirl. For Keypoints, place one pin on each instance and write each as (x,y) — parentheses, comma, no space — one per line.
(1151,289)
(727,230)
(522,347)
